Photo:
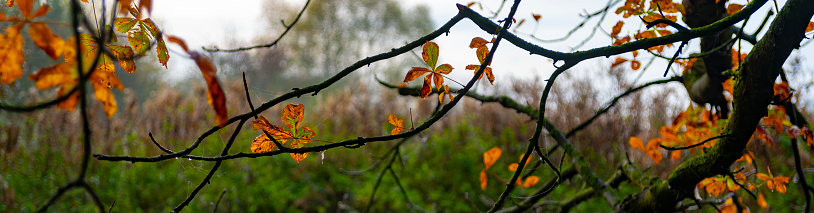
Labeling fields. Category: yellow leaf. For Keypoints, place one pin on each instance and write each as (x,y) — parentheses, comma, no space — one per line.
(491,156)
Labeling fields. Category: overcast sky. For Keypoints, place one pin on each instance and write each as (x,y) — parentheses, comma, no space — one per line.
(211,22)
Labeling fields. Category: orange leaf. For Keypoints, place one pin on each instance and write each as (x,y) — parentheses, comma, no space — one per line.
(810,26)
(125,56)
(215,95)
(636,143)
(273,130)
(645,35)
(11,55)
(9,3)
(477,42)
(617,29)
(25,6)
(48,77)
(635,64)
(675,155)
(103,93)
(482,52)
(664,32)
(782,89)
(426,89)
(621,41)
(728,86)
(655,155)
(293,115)
(483,179)
(414,73)
(491,156)
(513,167)
(145,4)
(809,136)
(262,144)
(46,40)
(178,41)
(298,157)
(392,119)
(761,201)
(124,5)
(531,181)
(733,8)
(761,134)
(618,61)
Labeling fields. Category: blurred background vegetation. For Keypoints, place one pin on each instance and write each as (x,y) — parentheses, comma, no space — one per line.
(438,168)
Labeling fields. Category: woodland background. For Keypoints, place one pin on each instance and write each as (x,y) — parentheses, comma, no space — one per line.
(439,168)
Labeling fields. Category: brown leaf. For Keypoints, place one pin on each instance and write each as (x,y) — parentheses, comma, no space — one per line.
(810,26)
(215,95)
(178,41)
(617,29)
(733,8)
(536,16)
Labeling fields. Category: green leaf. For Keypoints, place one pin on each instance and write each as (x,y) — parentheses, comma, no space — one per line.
(125,24)
(139,41)
(430,54)
(150,26)
(125,56)
(163,55)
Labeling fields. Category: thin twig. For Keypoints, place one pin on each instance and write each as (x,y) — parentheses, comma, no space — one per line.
(273,43)
(694,145)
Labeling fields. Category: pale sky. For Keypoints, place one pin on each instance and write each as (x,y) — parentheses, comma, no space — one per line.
(213,22)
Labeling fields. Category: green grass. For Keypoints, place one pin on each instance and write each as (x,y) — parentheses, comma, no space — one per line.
(438,174)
